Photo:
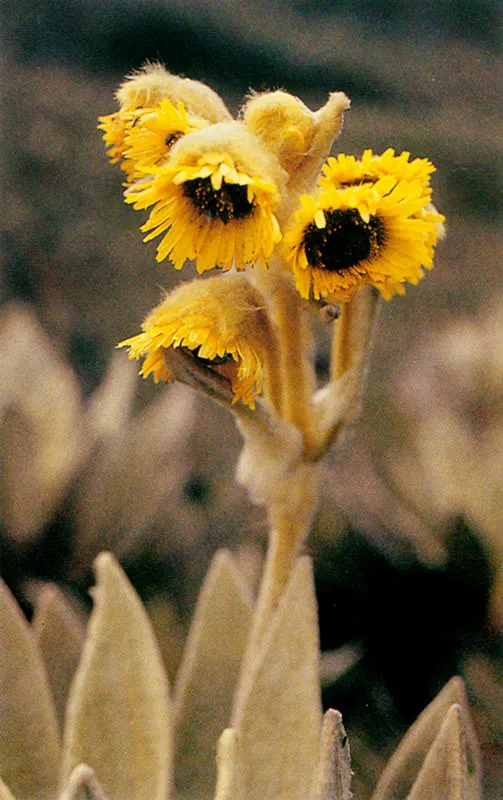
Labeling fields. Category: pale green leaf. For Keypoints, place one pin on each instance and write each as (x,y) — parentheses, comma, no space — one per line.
(60,637)
(228,772)
(134,471)
(29,738)
(208,674)
(42,440)
(109,407)
(444,773)
(118,718)
(82,785)
(400,773)
(333,780)
(278,711)
(5,793)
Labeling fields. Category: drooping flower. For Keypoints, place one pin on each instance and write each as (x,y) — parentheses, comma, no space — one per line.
(149,142)
(222,321)
(116,127)
(344,170)
(172,104)
(283,123)
(214,201)
(359,232)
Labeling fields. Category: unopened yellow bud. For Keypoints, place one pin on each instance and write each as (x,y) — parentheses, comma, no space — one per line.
(153,83)
(283,123)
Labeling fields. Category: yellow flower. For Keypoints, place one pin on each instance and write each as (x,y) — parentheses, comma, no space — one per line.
(116,127)
(215,200)
(345,170)
(149,142)
(371,232)
(140,96)
(222,321)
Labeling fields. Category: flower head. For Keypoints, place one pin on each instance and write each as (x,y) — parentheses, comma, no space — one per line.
(360,231)
(214,200)
(173,106)
(116,127)
(221,321)
(344,170)
(148,142)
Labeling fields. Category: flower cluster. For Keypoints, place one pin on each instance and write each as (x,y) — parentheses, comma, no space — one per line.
(231,194)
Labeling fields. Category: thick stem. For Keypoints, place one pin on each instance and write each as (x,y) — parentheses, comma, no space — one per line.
(341,342)
(283,548)
(296,372)
(338,404)
(353,332)
(273,384)
(290,523)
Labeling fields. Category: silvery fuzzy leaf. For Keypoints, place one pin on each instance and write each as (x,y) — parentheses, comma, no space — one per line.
(277,714)
(29,737)
(336,663)
(42,441)
(136,471)
(228,767)
(118,715)
(208,674)
(82,785)
(60,637)
(333,781)
(109,407)
(444,772)
(401,771)
(5,793)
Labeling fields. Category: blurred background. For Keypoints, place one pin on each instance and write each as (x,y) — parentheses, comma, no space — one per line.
(408,542)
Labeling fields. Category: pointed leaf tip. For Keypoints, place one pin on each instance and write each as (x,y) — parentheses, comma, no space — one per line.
(228,772)
(278,710)
(29,737)
(60,637)
(82,785)
(333,780)
(118,716)
(401,771)
(444,771)
(209,671)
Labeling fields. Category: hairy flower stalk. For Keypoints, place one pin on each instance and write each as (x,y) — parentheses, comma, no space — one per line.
(257,196)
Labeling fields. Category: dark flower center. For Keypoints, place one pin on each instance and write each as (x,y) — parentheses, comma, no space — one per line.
(208,362)
(344,242)
(171,138)
(358,181)
(227,203)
